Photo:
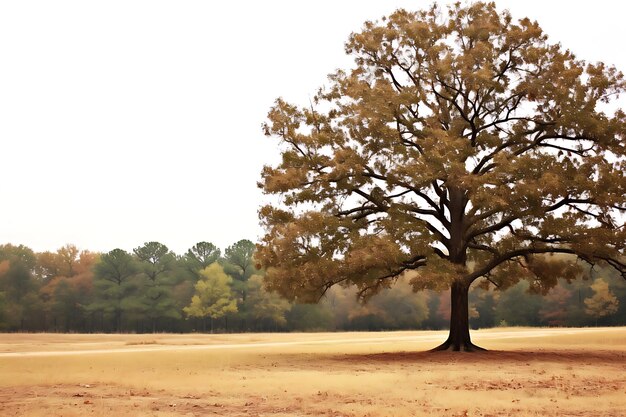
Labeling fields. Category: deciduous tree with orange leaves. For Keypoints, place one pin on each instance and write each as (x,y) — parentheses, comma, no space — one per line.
(461,146)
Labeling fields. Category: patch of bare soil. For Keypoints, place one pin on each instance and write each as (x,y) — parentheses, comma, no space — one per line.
(117,400)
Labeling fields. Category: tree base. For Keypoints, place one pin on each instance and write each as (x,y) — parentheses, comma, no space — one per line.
(450,346)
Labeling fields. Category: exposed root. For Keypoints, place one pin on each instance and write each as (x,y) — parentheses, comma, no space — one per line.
(458,347)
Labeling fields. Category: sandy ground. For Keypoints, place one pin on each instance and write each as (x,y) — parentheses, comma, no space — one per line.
(527,372)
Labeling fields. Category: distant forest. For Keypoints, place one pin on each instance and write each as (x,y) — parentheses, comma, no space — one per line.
(152,289)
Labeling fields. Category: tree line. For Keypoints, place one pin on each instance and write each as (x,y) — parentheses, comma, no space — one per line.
(152,289)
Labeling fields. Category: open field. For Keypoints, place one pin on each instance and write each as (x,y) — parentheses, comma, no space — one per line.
(527,372)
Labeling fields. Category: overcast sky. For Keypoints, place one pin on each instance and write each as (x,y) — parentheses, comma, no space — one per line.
(128,121)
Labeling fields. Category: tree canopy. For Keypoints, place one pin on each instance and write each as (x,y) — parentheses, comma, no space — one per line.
(603,302)
(201,255)
(239,259)
(462,145)
(213,297)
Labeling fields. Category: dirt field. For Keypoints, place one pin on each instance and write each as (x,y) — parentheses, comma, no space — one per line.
(527,372)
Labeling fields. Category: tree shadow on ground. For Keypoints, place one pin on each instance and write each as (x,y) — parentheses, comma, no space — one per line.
(490,356)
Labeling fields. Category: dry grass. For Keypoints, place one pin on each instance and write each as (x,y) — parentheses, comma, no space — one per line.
(528,372)
(141,342)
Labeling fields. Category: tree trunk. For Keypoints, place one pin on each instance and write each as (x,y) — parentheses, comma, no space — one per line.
(118,320)
(459,337)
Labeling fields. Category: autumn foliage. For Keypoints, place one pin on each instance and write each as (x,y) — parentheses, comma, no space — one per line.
(461,146)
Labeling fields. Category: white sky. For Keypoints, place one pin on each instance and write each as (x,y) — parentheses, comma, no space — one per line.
(128,121)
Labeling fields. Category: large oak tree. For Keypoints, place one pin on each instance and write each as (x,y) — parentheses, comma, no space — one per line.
(461,146)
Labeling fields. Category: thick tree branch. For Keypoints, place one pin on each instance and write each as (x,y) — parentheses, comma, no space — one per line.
(492,228)
(511,255)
